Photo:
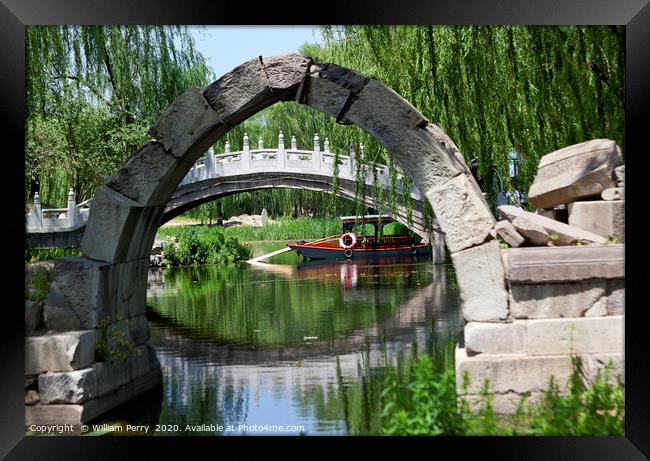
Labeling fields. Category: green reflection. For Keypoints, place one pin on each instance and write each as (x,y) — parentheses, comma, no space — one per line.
(243,304)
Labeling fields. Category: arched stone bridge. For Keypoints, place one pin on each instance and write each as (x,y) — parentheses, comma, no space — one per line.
(214,176)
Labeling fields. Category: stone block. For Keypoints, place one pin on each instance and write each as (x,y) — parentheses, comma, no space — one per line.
(481,280)
(90,410)
(534,233)
(139,329)
(431,159)
(59,352)
(68,386)
(619,175)
(613,193)
(495,338)
(565,264)
(240,93)
(597,362)
(325,95)
(33,311)
(119,229)
(566,234)
(185,122)
(150,176)
(600,217)
(285,74)
(555,300)
(140,364)
(575,172)
(502,404)
(110,376)
(384,114)
(123,289)
(575,336)
(615,297)
(509,373)
(462,212)
(509,234)
(60,318)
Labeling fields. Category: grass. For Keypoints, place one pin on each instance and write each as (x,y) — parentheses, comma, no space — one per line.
(33,255)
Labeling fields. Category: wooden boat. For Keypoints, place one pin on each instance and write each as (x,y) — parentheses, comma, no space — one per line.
(371,245)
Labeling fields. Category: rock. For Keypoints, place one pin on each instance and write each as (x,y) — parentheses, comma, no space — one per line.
(139,329)
(481,280)
(31,397)
(575,172)
(264,217)
(462,212)
(606,219)
(60,318)
(566,234)
(619,175)
(565,264)
(613,193)
(33,311)
(68,386)
(59,351)
(533,232)
(509,234)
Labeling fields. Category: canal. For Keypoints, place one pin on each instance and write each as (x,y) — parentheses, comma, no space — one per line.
(293,347)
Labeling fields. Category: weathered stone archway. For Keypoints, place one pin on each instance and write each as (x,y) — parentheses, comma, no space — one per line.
(106,288)
(127,210)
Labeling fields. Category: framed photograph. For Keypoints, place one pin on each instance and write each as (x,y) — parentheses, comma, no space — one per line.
(405,222)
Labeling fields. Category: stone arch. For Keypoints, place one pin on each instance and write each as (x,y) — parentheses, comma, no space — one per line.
(127,210)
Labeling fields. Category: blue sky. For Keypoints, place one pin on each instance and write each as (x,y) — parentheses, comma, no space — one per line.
(225,47)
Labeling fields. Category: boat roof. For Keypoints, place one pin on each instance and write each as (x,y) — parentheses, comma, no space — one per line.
(367,218)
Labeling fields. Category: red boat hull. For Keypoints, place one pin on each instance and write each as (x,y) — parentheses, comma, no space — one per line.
(334,251)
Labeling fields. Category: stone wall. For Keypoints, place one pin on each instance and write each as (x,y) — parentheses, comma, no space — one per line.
(84,357)
(562,302)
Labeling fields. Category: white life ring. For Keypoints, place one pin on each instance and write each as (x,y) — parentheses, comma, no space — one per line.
(352,243)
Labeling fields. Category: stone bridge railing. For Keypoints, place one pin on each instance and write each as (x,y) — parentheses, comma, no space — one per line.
(58,219)
(280,159)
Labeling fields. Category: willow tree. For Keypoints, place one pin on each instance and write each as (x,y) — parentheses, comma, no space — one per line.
(92,92)
(497,90)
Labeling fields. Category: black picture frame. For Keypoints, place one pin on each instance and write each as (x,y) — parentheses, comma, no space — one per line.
(635,14)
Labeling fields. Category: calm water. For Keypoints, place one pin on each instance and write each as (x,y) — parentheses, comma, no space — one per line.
(303,345)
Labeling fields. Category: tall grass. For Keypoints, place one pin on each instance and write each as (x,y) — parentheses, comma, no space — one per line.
(33,255)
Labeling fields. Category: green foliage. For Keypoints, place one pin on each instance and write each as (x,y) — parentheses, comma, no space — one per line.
(37,282)
(33,255)
(92,92)
(423,404)
(423,401)
(202,245)
(112,343)
(597,409)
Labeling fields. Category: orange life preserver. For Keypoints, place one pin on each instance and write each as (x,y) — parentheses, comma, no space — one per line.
(352,243)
